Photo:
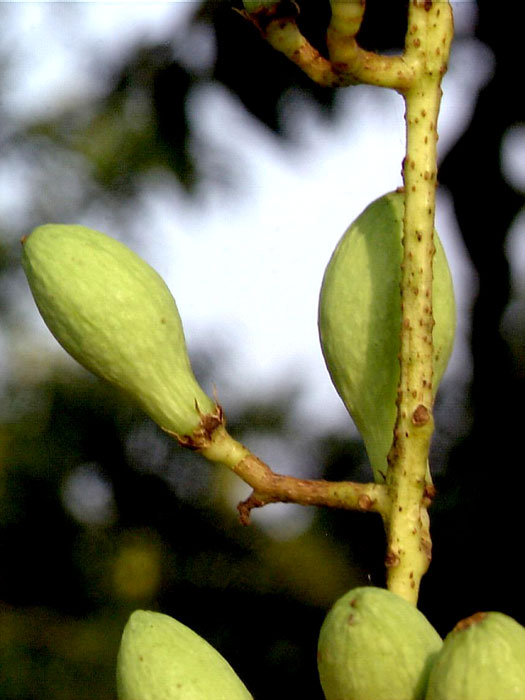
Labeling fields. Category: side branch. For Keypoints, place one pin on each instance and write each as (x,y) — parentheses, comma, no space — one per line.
(348,64)
(269,487)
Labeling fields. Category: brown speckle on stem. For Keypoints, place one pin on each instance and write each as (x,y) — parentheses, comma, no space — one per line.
(421,415)
(391,559)
(428,495)
(364,502)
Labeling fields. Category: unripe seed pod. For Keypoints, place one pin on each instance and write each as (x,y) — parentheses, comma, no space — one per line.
(161,659)
(115,315)
(483,658)
(360,321)
(374,645)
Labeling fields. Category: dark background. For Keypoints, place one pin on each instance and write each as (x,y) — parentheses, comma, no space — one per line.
(168,542)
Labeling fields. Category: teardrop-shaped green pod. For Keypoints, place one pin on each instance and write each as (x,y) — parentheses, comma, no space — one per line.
(374,645)
(483,658)
(161,659)
(115,315)
(360,321)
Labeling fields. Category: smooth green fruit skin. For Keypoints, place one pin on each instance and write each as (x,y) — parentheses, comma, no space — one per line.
(115,315)
(484,660)
(374,645)
(360,321)
(161,659)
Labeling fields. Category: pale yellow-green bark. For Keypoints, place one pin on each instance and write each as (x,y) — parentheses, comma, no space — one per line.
(430,29)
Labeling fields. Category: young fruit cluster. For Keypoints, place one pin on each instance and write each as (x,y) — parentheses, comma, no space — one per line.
(360,321)
(374,645)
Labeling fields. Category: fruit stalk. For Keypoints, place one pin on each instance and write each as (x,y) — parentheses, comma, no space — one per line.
(429,35)
(270,487)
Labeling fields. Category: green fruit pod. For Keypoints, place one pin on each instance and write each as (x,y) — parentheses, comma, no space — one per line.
(115,315)
(161,659)
(483,658)
(360,321)
(374,645)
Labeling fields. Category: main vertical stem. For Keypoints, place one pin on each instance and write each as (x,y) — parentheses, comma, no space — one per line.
(429,36)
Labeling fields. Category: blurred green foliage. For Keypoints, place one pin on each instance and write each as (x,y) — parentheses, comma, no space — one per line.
(101,513)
